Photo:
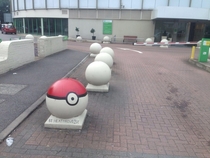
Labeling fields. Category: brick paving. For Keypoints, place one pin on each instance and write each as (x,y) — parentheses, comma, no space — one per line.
(158,106)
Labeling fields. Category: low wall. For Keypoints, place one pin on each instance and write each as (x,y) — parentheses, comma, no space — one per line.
(51,45)
(15,53)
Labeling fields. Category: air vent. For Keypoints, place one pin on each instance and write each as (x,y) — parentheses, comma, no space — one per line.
(64,11)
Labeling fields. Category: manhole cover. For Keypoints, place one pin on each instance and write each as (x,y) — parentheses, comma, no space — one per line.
(10,89)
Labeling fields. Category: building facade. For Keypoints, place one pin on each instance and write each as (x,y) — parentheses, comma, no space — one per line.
(182,20)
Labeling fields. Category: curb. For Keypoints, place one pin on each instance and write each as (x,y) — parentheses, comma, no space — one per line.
(200,65)
(30,109)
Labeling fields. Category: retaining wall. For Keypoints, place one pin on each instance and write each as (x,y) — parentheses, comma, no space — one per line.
(15,53)
(51,45)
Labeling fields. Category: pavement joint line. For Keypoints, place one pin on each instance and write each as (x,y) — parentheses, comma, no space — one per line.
(31,108)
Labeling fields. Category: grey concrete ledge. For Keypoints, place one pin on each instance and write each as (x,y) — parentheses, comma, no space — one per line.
(205,66)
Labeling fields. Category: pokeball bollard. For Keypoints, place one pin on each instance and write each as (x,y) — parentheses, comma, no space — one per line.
(98,75)
(66,100)
(95,49)
(108,50)
(106,58)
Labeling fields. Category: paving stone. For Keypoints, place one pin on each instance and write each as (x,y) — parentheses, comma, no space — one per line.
(10,89)
(157,107)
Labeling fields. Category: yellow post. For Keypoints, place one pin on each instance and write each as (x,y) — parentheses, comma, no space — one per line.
(192,53)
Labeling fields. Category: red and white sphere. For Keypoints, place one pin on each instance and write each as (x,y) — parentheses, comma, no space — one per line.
(66,98)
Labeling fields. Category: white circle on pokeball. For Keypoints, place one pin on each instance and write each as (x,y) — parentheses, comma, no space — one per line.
(61,109)
(72,99)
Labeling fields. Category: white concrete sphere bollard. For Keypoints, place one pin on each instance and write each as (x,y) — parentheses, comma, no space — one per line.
(66,98)
(29,36)
(106,39)
(95,48)
(164,41)
(148,40)
(106,58)
(98,73)
(108,50)
(79,38)
(43,37)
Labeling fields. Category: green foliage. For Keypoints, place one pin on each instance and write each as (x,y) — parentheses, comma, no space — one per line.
(92,31)
(77,29)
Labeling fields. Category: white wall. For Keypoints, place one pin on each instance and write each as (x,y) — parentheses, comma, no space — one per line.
(142,29)
(181,13)
(14,54)
(51,45)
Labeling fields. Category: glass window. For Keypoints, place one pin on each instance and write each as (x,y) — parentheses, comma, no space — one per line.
(174,3)
(19,25)
(206,4)
(175,31)
(131,4)
(196,3)
(161,3)
(55,26)
(29,4)
(87,3)
(64,26)
(184,3)
(149,4)
(52,4)
(33,25)
(109,4)
(15,1)
(69,3)
(39,4)
(21,4)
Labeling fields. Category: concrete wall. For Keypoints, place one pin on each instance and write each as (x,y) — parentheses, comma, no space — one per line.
(51,45)
(142,29)
(125,22)
(16,53)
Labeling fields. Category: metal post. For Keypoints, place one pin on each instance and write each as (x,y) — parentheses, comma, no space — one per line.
(42,27)
(24,26)
(193,53)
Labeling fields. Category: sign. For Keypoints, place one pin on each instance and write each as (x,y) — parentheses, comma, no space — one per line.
(107,27)
(69,121)
(206,43)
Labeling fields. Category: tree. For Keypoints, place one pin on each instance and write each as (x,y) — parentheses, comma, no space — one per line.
(4,8)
